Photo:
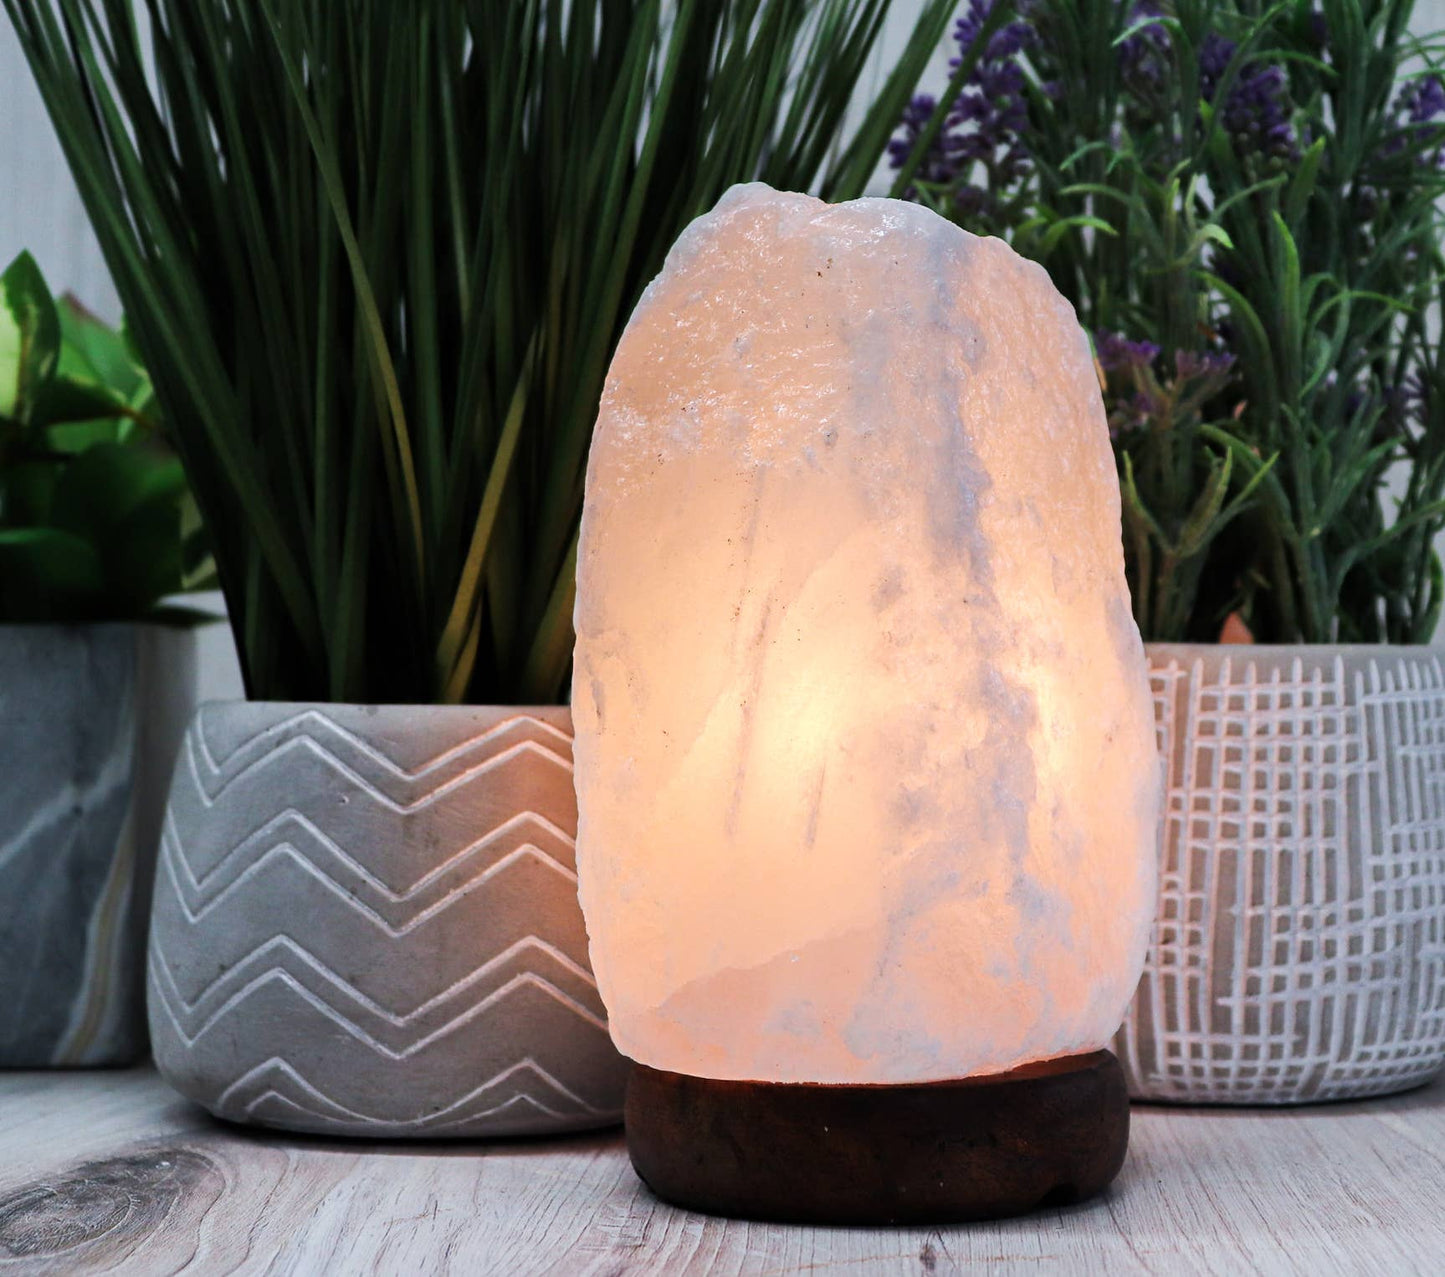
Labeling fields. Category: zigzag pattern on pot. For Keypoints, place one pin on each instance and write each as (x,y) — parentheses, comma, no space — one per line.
(309,991)
(365,765)
(291,836)
(282,961)
(525,1092)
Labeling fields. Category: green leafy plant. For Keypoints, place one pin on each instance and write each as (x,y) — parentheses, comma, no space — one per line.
(91,502)
(1242,201)
(378,256)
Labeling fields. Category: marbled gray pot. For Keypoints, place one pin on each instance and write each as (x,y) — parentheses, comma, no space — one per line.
(90,720)
(366,923)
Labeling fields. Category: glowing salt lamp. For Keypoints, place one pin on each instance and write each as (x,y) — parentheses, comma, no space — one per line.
(865,756)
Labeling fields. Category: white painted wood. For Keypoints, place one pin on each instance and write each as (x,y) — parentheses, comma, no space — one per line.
(1350,1188)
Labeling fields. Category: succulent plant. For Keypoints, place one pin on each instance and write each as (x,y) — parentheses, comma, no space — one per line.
(94,512)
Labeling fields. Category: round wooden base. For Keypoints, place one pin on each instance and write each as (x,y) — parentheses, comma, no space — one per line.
(936,1152)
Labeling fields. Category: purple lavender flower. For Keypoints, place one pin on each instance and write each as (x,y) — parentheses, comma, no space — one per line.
(935,165)
(1130,412)
(972,202)
(1118,354)
(1145,405)
(1404,405)
(1005,43)
(985,125)
(1189,364)
(1423,100)
(1214,57)
(1144,56)
(1256,110)
(1418,107)
(1390,409)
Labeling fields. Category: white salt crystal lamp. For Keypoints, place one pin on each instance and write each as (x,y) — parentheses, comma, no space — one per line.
(865,757)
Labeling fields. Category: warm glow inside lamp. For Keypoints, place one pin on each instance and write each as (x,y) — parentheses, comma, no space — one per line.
(865,757)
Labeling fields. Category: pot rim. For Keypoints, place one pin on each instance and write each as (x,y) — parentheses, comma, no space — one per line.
(1311,649)
(382,707)
(37,627)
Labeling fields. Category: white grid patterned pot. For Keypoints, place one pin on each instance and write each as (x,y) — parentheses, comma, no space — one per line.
(366,923)
(1299,952)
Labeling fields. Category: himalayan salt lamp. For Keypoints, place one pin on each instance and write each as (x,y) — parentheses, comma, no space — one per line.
(865,757)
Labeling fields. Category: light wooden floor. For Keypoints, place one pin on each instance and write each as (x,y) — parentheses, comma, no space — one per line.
(110,1172)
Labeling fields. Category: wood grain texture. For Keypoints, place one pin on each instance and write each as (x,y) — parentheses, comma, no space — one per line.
(111,1172)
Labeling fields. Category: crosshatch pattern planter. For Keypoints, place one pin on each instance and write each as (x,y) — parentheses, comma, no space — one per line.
(90,718)
(1299,952)
(366,923)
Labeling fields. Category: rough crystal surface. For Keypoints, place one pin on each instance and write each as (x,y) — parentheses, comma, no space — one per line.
(865,756)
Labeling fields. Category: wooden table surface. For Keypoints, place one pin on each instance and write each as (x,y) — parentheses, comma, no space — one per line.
(111,1172)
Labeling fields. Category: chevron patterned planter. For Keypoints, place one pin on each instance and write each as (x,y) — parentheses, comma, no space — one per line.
(366,923)
(1299,952)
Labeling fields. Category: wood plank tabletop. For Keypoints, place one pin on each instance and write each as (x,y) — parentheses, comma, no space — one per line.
(112,1172)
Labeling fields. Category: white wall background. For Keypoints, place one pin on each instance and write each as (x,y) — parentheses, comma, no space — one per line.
(40,210)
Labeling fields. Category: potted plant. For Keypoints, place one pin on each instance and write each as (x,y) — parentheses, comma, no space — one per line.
(378,262)
(1242,204)
(95,686)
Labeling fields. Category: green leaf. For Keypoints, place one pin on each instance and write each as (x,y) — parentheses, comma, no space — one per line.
(29,337)
(12,349)
(1171,25)
(47,575)
(1302,184)
(109,484)
(93,353)
(142,557)
(457,648)
(27,491)
(1050,239)
(1201,525)
(123,502)
(65,401)
(1212,233)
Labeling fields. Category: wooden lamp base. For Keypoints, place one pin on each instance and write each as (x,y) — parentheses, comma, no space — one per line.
(978,1148)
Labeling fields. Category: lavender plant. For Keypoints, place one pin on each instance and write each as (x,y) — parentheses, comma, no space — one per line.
(1241,203)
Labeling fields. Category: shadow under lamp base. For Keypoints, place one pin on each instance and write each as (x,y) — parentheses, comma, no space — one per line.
(1046,1134)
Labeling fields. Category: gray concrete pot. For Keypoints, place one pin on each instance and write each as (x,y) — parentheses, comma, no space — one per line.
(1299,951)
(366,923)
(90,720)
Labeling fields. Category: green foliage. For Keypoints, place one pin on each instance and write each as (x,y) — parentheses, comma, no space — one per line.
(1252,191)
(91,502)
(378,257)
